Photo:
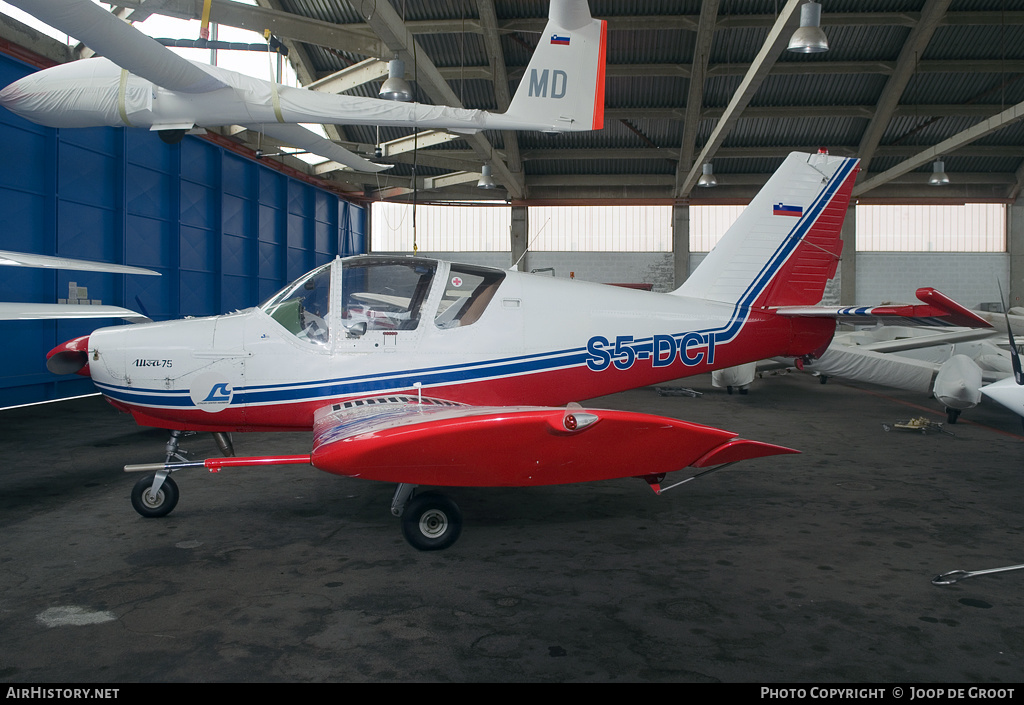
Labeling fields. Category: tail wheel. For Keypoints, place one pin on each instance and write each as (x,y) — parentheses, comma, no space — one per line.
(431,522)
(159,504)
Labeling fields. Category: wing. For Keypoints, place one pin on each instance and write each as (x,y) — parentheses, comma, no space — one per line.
(435,442)
(299,136)
(34,312)
(121,43)
(24,259)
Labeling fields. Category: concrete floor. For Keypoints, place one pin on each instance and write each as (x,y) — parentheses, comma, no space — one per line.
(808,568)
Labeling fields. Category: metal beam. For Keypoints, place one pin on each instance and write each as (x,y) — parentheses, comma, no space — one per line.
(348,78)
(695,94)
(386,23)
(499,77)
(987,127)
(906,64)
(773,46)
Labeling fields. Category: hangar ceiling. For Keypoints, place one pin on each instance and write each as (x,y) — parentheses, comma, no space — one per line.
(903,83)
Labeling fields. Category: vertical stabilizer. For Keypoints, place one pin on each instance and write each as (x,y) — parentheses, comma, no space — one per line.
(785,246)
(563,85)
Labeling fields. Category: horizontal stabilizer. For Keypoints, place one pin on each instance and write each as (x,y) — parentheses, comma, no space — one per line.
(938,310)
(434,442)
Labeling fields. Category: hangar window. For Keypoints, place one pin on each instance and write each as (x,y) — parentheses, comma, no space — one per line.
(709,223)
(487,228)
(600,228)
(973,227)
(471,228)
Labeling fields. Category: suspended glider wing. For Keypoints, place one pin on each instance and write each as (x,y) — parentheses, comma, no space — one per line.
(24,259)
(127,47)
(33,312)
(303,138)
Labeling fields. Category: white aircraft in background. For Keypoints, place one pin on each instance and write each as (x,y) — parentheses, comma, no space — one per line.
(1009,392)
(140,83)
(422,372)
(951,365)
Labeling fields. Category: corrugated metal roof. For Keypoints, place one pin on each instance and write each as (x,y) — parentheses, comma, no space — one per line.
(971,67)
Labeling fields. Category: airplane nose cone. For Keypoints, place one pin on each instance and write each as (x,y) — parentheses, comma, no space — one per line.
(71,357)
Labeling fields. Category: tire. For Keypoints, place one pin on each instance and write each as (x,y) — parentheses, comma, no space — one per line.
(952,415)
(164,503)
(431,522)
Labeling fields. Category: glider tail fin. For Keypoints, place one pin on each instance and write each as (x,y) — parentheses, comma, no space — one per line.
(785,246)
(563,87)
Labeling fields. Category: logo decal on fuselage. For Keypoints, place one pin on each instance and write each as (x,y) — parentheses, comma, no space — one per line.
(690,349)
(211,392)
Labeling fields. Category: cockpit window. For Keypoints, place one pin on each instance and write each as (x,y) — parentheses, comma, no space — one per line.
(384,294)
(466,295)
(302,307)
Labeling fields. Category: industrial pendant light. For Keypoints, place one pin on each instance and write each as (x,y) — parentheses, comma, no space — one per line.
(396,87)
(707,179)
(486,181)
(938,177)
(809,39)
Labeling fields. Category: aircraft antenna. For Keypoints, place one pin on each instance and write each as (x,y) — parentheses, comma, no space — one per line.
(529,245)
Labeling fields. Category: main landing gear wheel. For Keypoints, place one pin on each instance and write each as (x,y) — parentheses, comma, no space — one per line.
(431,522)
(149,505)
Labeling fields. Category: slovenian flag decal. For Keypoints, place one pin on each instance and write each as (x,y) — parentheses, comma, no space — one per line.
(783,209)
(555,39)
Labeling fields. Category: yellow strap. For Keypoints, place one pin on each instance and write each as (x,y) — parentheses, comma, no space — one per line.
(122,88)
(204,30)
(274,97)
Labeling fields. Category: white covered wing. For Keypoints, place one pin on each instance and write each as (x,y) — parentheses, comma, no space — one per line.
(876,368)
(24,259)
(34,312)
(121,43)
(299,136)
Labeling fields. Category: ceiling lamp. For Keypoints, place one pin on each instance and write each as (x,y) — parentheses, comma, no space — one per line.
(809,39)
(707,179)
(938,177)
(396,87)
(486,181)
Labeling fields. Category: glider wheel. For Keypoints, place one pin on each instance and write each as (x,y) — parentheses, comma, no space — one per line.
(149,506)
(952,414)
(431,522)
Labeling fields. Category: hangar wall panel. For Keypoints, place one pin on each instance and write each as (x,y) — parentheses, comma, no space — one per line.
(225,232)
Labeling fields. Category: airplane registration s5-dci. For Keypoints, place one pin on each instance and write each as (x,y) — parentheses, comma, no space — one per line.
(412,370)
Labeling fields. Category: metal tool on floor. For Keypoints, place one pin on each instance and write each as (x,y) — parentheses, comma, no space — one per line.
(957,575)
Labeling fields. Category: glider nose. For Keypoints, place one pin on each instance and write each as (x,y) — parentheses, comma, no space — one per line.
(13,97)
(70,357)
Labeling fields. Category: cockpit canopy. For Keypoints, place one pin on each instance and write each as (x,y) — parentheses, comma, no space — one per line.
(347,298)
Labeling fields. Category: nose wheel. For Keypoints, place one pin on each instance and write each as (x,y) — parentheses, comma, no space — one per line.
(431,522)
(158,501)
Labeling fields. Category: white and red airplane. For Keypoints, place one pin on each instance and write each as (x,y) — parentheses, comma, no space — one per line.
(140,83)
(417,371)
